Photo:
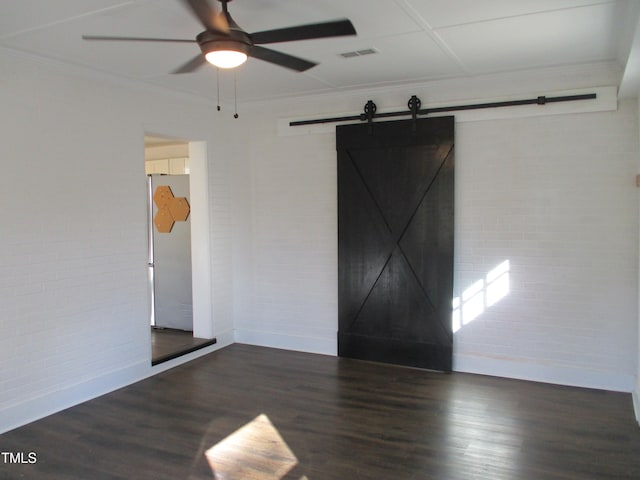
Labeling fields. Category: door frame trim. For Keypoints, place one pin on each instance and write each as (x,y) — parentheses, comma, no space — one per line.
(200,245)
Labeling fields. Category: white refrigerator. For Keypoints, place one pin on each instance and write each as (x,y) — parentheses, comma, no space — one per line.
(170,252)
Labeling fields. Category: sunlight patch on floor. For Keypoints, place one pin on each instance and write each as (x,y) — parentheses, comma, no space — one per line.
(255,451)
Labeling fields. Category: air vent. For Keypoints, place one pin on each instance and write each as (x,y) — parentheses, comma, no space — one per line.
(359,53)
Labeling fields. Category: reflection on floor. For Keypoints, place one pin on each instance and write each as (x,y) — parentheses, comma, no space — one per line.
(167,344)
(256,451)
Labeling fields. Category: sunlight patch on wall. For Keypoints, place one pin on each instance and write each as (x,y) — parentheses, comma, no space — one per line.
(481,295)
(255,451)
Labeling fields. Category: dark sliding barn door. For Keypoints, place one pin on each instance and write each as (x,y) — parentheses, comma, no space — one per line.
(395,241)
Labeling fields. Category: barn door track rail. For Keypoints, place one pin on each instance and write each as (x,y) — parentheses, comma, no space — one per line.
(414,109)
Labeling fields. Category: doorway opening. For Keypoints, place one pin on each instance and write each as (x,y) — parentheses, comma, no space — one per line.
(170,273)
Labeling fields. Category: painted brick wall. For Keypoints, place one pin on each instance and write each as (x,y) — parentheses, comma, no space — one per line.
(73,243)
(553,195)
(72,265)
(70,283)
(222,157)
(291,296)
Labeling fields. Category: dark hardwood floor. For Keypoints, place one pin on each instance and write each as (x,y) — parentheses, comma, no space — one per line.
(167,344)
(255,413)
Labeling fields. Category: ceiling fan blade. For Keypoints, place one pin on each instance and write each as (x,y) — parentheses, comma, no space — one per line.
(336,28)
(192,65)
(209,16)
(282,59)
(136,39)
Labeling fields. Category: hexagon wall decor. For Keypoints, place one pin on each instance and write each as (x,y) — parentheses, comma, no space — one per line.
(171,209)
(163,221)
(179,208)
(162,196)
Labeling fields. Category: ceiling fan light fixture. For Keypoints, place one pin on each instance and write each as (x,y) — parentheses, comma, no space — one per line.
(226,58)
(225,53)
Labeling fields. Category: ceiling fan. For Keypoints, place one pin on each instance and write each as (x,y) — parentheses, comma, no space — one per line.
(224,44)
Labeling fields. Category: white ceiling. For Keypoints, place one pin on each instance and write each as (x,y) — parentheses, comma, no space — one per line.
(417,40)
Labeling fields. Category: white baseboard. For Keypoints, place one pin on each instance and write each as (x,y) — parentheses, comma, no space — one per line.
(36,408)
(546,373)
(498,367)
(325,346)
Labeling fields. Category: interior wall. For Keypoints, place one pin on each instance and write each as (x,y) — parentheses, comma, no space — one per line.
(556,198)
(286,241)
(73,282)
(553,195)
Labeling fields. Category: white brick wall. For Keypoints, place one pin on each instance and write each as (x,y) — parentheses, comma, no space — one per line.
(72,264)
(73,282)
(221,159)
(554,195)
(293,242)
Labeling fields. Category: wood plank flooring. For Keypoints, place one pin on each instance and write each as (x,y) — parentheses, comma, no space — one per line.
(256,413)
(167,344)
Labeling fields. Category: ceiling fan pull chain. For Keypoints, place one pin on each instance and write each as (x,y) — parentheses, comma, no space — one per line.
(235,93)
(218,86)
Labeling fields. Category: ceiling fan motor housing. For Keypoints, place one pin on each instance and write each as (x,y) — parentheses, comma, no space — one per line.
(210,41)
